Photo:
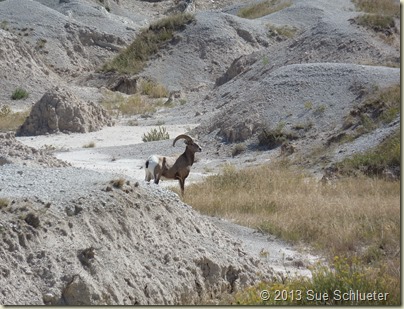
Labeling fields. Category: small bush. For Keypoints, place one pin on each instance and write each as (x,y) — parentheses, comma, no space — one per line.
(19,94)
(89,145)
(237,149)
(273,138)
(263,8)
(153,90)
(287,32)
(4,202)
(5,111)
(156,135)
(118,183)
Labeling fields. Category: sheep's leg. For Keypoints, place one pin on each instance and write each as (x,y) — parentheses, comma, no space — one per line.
(182,184)
(156,179)
(148,176)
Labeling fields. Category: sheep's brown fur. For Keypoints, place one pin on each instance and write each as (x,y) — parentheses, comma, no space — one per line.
(171,167)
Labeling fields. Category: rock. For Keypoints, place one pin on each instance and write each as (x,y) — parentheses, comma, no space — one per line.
(60,110)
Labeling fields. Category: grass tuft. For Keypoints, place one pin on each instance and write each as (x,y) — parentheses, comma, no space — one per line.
(263,8)
(118,183)
(156,135)
(4,203)
(19,94)
(89,145)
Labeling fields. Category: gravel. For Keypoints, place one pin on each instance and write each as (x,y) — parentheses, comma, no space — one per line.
(56,185)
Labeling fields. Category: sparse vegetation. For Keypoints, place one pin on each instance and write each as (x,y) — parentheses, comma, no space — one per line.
(118,104)
(308,105)
(354,218)
(40,44)
(272,138)
(153,89)
(237,149)
(286,32)
(4,25)
(385,158)
(9,120)
(384,7)
(19,94)
(379,107)
(132,59)
(326,287)
(320,109)
(379,15)
(118,183)
(89,145)
(156,135)
(4,203)
(263,8)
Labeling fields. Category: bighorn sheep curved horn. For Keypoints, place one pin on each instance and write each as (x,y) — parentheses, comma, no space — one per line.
(172,167)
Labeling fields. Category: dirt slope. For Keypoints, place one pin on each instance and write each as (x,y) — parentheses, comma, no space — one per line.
(132,246)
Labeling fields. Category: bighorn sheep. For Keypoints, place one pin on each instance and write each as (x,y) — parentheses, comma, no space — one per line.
(171,167)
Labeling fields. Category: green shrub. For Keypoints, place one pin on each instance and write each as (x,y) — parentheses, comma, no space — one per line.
(19,94)
(133,59)
(156,135)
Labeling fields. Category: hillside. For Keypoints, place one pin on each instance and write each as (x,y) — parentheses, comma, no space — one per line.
(308,83)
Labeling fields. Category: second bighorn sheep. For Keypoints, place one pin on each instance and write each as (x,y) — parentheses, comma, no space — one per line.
(172,167)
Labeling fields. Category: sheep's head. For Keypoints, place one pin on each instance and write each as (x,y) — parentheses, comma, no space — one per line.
(194,147)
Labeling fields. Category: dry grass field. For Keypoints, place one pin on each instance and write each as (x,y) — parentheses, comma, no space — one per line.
(355,218)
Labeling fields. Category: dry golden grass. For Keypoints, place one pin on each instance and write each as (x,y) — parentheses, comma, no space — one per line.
(153,89)
(263,8)
(347,216)
(383,7)
(355,218)
(11,121)
(135,104)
